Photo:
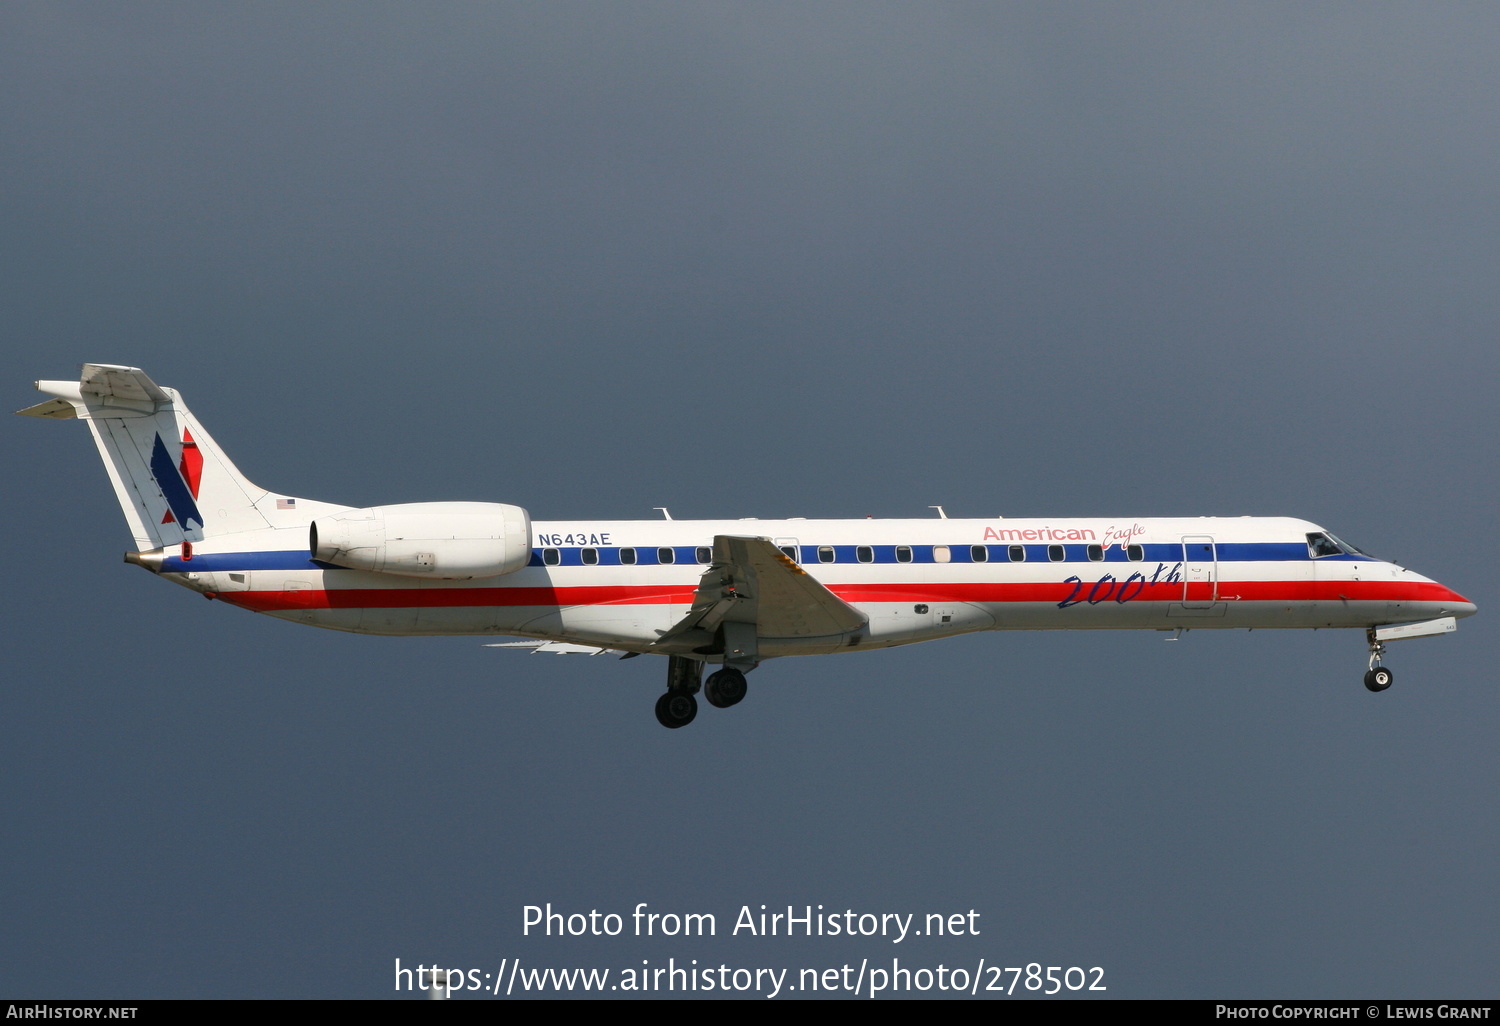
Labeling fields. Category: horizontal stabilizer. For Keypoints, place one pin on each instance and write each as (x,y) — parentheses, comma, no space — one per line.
(55,409)
(107,390)
(108,381)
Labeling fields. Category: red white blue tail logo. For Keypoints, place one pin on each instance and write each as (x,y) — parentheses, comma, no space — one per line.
(179,483)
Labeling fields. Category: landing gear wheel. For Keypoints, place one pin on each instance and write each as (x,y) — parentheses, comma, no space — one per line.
(724,688)
(676,709)
(1379,679)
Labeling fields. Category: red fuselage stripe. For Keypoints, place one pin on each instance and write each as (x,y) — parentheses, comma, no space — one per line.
(1247,591)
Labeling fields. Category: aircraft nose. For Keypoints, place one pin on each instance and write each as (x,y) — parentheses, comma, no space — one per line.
(1453,603)
(1437,597)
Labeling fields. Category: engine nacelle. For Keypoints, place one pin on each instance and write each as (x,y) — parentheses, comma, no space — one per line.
(449,541)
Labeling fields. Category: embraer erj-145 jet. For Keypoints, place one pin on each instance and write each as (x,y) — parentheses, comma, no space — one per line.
(731,592)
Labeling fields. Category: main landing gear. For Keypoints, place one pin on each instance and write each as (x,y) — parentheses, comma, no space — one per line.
(677,707)
(724,688)
(1377,678)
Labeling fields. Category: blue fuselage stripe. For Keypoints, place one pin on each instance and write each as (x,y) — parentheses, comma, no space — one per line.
(1168,552)
(226,561)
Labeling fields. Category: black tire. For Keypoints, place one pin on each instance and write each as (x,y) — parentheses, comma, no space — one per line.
(724,688)
(1379,679)
(676,709)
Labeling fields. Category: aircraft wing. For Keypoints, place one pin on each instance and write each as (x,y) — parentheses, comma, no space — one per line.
(753,583)
(554,647)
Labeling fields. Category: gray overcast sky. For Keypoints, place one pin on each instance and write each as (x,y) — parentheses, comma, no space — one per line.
(769,259)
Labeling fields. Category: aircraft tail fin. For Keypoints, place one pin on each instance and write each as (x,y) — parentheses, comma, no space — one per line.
(172,480)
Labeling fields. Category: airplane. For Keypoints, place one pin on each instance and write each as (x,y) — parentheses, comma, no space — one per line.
(726,592)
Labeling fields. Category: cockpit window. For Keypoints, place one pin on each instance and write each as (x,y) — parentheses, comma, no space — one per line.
(1321,544)
(1349,550)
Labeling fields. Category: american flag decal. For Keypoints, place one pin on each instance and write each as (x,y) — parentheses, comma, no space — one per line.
(286,503)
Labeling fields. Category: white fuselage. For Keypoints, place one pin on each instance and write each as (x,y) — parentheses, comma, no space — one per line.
(732,592)
(623,584)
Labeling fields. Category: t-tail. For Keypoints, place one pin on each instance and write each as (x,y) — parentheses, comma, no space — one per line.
(174,483)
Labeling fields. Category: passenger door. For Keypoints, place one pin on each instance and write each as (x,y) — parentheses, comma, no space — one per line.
(1200,571)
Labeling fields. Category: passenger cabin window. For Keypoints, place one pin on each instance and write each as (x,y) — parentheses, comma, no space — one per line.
(864,554)
(940,554)
(1056,553)
(790,552)
(665,555)
(1096,553)
(627,557)
(705,554)
(903,553)
(1017,553)
(551,557)
(1135,553)
(979,554)
(825,553)
(1322,545)
(590,556)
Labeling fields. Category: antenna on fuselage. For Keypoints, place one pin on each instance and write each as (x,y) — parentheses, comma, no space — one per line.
(941,513)
(663,511)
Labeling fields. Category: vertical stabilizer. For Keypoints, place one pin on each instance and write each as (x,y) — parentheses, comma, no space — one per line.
(173,481)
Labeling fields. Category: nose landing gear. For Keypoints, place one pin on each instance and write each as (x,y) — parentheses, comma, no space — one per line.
(1377,678)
